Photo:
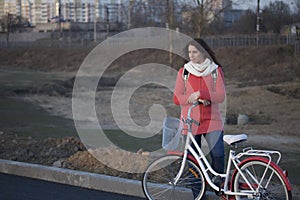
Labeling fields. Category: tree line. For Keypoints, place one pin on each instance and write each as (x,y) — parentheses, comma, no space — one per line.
(200,17)
(193,17)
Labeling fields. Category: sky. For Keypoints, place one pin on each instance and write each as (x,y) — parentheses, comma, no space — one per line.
(252,4)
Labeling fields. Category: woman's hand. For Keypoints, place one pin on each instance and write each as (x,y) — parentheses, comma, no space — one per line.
(204,102)
(194,97)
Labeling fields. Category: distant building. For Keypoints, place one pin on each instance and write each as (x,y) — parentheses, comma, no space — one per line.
(88,11)
(45,11)
(230,16)
(292,29)
(7,7)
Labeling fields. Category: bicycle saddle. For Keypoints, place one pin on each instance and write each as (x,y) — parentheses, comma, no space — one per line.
(232,139)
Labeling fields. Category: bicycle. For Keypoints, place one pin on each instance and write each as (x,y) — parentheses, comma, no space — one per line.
(185,175)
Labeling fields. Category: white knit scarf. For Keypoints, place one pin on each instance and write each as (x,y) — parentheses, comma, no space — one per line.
(202,69)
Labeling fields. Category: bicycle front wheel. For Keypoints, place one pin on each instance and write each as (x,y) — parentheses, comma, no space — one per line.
(158,180)
(263,178)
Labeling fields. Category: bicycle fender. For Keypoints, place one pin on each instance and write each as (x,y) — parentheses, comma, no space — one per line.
(272,164)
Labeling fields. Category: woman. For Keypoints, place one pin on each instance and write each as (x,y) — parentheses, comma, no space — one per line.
(201,79)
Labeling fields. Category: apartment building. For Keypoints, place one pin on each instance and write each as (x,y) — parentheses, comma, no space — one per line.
(84,11)
(44,11)
(25,8)
(7,7)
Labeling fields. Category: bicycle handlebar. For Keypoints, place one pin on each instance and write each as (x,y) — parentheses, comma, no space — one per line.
(189,120)
(195,122)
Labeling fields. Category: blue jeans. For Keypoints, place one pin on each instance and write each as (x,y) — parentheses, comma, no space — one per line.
(216,146)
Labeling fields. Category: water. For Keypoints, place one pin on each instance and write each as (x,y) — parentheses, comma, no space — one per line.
(24,118)
(11,78)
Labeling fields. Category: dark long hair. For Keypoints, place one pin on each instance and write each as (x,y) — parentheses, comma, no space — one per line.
(201,45)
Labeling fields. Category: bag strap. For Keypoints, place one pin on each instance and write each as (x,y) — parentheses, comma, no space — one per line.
(214,76)
(186,74)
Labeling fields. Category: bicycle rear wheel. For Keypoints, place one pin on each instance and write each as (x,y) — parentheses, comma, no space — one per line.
(158,180)
(264,178)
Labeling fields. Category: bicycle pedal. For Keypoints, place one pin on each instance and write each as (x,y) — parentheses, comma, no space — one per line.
(219,193)
(217,180)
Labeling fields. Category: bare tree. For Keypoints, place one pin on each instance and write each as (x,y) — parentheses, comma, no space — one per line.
(10,23)
(297,6)
(275,16)
(246,24)
(200,15)
(296,14)
(154,13)
(7,23)
(147,13)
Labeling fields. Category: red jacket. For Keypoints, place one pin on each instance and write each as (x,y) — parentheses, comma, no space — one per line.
(208,116)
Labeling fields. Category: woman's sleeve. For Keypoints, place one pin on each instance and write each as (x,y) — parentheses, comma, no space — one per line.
(215,93)
(180,97)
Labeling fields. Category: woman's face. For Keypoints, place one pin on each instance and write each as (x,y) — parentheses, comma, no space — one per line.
(195,55)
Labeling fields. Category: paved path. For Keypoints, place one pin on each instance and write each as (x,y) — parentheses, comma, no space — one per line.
(14,187)
(49,183)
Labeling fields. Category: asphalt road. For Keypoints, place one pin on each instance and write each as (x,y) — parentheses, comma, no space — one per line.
(21,188)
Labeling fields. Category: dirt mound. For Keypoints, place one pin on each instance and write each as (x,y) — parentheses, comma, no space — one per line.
(122,164)
(27,149)
(290,91)
(44,59)
(259,65)
(70,153)
(249,65)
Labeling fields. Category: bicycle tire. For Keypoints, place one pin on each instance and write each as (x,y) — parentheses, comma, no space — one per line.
(273,186)
(158,179)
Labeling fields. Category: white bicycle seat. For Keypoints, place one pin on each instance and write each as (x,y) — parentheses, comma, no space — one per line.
(231,139)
